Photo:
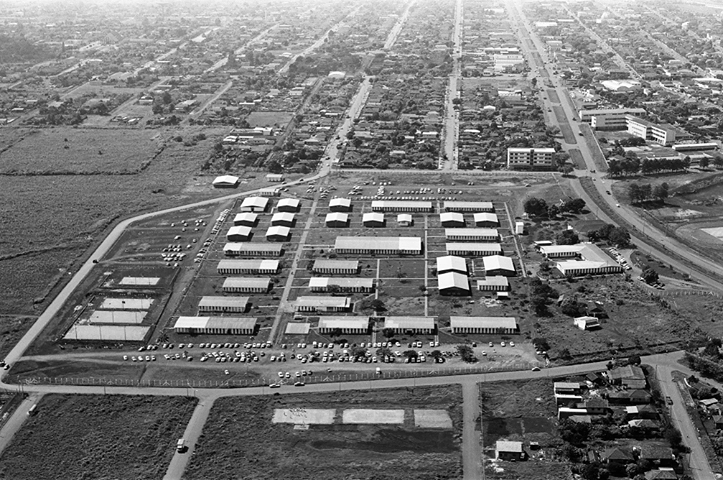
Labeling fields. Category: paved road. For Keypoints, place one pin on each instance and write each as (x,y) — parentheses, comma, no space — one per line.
(13,424)
(191,435)
(699,466)
(602,184)
(471,449)
(450,132)
(396,30)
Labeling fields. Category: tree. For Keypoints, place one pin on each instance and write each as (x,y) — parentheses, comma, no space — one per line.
(553,211)
(466,353)
(704,162)
(620,237)
(535,206)
(649,275)
(166,98)
(574,205)
(274,167)
(634,360)
(410,354)
(378,305)
(567,237)
(570,306)
(660,192)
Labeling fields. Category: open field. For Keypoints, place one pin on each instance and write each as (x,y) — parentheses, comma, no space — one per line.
(84,436)
(240,440)
(269,119)
(81,151)
(521,411)
(71,212)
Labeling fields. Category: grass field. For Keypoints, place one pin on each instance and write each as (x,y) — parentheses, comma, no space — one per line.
(49,221)
(240,440)
(83,436)
(81,151)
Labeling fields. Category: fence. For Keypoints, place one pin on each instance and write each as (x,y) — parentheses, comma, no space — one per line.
(318,377)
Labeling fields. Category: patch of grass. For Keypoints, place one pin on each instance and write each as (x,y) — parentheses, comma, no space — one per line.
(240,441)
(84,436)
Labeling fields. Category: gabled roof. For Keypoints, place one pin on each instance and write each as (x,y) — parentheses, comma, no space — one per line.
(617,454)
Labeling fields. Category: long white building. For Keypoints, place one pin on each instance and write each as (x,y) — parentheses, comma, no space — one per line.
(378,245)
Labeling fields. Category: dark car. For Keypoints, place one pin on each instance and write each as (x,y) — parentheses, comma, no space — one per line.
(668,400)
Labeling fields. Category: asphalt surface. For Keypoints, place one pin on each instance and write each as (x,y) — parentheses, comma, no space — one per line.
(471,448)
(191,435)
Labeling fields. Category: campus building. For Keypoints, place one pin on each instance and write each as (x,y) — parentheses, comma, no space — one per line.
(529,158)
(609,118)
(246,285)
(484,325)
(581,259)
(405,220)
(253,266)
(498,265)
(238,234)
(291,205)
(322,284)
(254,204)
(495,283)
(373,220)
(344,325)
(663,134)
(403,325)
(245,219)
(378,245)
(215,325)
(340,205)
(252,250)
(337,220)
(472,234)
(323,304)
(283,219)
(278,234)
(469,207)
(486,220)
(451,219)
(223,304)
(474,249)
(453,283)
(451,263)
(336,267)
(401,206)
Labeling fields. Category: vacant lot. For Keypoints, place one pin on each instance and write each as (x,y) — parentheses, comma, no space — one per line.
(81,151)
(521,411)
(49,221)
(83,436)
(240,441)
(269,119)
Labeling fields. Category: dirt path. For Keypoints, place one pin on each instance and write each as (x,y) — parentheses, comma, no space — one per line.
(471,450)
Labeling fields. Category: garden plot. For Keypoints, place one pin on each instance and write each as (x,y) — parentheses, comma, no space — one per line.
(432,419)
(375,417)
(304,416)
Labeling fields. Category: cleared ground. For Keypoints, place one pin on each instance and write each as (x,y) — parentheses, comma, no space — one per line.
(84,436)
(240,440)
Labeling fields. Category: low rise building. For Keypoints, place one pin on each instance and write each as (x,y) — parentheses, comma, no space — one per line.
(215,325)
(238,233)
(497,265)
(470,207)
(252,266)
(495,283)
(219,304)
(323,304)
(344,325)
(530,158)
(453,283)
(474,249)
(246,285)
(404,325)
(336,267)
(254,204)
(472,234)
(322,284)
(252,250)
(378,245)
(401,206)
(484,325)
(337,220)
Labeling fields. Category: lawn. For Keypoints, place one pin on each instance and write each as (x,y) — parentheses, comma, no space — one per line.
(240,441)
(84,436)
(49,221)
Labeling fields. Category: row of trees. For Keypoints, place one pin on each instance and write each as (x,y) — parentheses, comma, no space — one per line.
(538,207)
(631,165)
(647,192)
(618,236)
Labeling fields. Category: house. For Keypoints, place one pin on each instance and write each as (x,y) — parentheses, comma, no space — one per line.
(510,451)
(659,455)
(629,375)
(586,323)
(641,412)
(661,474)
(567,388)
(629,397)
(644,424)
(718,420)
(595,406)
(618,456)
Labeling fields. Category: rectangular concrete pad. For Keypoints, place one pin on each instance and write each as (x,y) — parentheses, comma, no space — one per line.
(126,304)
(106,332)
(117,316)
(432,419)
(304,416)
(297,328)
(362,415)
(140,281)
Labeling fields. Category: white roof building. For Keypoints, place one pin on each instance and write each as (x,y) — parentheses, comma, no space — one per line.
(451,219)
(278,232)
(288,205)
(418,324)
(254,204)
(451,263)
(225,181)
(384,245)
(283,218)
(401,206)
(485,325)
(453,283)
(456,206)
(336,219)
(340,204)
(486,218)
(247,219)
(373,218)
(238,232)
(497,264)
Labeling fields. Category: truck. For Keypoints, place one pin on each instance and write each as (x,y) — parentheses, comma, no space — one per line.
(180,445)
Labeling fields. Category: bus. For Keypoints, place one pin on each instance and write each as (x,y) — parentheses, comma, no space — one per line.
(33,410)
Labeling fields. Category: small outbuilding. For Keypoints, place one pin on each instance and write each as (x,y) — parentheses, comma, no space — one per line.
(226,181)
(587,323)
(405,220)
(510,451)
